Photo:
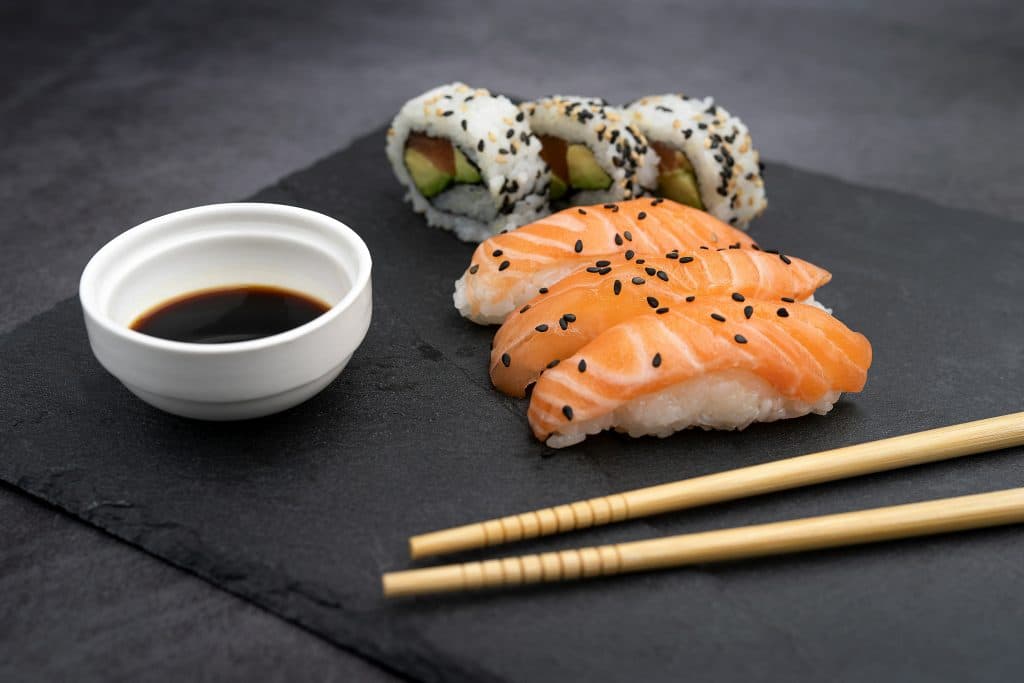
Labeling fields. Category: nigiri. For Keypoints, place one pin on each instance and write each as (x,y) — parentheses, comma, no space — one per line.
(703,365)
(611,290)
(508,270)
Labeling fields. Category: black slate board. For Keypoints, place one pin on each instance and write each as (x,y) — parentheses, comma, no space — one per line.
(301,512)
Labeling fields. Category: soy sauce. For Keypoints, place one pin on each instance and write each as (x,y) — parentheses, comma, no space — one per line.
(229,314)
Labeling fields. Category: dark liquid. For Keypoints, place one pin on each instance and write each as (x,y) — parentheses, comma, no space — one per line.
(229,314)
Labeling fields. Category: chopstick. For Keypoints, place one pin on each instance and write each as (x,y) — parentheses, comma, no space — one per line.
(811,533)
(877,456)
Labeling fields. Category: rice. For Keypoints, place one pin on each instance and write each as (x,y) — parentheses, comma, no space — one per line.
(727,399)
(495,138)
(618,147)
(718,146)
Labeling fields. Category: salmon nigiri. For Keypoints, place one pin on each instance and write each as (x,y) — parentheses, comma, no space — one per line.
(509,269)
(555,325)
(702,365)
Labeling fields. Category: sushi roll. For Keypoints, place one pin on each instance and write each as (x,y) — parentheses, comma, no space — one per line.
(705,156)
(508,270)
(707,364)
(594,153)
(613,289)
(468,161)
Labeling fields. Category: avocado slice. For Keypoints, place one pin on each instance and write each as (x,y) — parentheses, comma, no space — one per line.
(680,186)
(428,178)
(558,187)
(584,171)
(465,171)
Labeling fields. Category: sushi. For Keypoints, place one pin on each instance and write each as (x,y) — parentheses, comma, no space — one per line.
(594,153)
(553,326)
(508,270)
(705,156)
(469,161)
(704,365)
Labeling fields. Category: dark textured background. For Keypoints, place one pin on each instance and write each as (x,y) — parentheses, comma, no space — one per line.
(111,113)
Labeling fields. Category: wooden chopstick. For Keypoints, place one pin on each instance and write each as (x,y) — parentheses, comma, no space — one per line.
(811,533)
(841,463)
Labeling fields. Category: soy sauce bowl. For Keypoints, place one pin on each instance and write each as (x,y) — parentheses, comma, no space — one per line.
(225,245)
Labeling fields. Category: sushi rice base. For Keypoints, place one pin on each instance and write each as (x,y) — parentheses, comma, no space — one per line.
(725,399)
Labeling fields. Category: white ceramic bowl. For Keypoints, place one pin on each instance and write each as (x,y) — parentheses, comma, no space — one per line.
(223,245)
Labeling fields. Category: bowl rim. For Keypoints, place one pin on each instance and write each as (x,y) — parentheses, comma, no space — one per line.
(91,273)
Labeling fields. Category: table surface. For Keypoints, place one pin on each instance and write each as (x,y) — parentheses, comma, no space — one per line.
(113,112)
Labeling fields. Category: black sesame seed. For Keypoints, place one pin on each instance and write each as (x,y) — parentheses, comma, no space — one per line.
(748,311)
(657,201)
(504,265)
(582,367)
(782,313)
(579,246)
(464,124)
(642,215)
(690,299)
(605,270)
(702,126)
(520,116)
(640,261)
(685,259)
(718,317)
(628,235)
(506,359)
(543,290)
(663,309)
(602,263)
(541,328)
(618,239)
(630,254)
(553,363)
(785,259)
(480,146)
(736,296)
(704,247)
(582,212)
(563,323)
(570,317)
(656,361)
(789,299)
(740,339)
(567,411)
(593,269)
(473,268)
(447,113)
(663,276)
(610,206)
(638,280)
(496,253)
(511,132)
(650,271)
(617,287)
(672,255)
(525,308)
(652,302)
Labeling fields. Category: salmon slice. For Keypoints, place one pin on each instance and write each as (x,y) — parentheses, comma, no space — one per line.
(509,269)
(701,364)
(608,291)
